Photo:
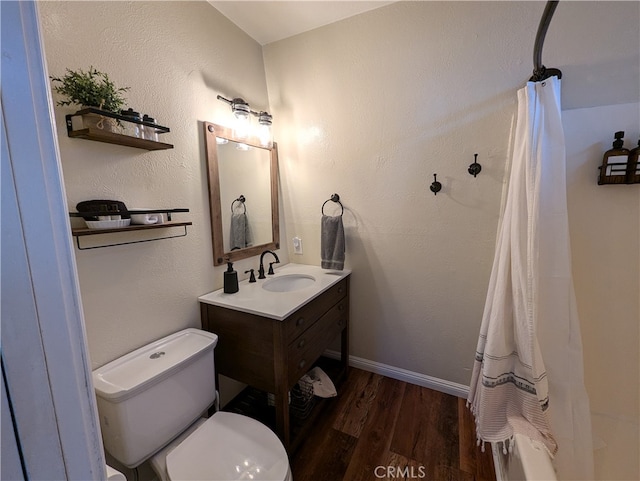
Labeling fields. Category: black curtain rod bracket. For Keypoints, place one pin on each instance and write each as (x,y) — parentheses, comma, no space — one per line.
(540,72)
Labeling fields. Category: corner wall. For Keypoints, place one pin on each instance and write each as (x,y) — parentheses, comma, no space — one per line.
(372,106)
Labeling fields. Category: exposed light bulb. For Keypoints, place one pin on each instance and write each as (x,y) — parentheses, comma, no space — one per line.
(264,134)
(241,112)
(264,129)
(242,126)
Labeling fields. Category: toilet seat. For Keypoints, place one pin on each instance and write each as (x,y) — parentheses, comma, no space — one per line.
(229,447)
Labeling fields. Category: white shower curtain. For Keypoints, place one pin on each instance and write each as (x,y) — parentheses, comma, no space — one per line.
(528,372)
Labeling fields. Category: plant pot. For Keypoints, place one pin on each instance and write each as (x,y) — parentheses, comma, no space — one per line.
(100,122)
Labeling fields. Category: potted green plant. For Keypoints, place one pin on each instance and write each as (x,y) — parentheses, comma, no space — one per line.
(90,89)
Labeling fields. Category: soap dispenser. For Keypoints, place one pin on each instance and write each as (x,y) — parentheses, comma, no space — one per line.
(230,279)
(614,162)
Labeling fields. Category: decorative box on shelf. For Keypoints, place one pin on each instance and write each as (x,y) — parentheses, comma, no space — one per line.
(110,127)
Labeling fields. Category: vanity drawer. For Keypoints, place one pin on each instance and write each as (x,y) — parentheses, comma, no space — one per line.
(305,317)
(308,347)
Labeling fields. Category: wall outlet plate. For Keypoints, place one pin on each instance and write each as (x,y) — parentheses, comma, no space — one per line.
(297,245)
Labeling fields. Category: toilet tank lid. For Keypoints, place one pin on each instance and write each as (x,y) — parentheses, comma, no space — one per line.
(129,374)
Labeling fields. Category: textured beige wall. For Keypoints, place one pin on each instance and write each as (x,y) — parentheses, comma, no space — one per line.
(372,106)
(605,235)
(176,57)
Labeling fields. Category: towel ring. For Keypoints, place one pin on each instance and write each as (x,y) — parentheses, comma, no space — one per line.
(334,198)
(240,199)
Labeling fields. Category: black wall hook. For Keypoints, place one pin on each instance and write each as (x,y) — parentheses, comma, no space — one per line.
(435,185)
(475,168)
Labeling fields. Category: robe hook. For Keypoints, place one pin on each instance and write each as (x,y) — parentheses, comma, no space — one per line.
(475,168)
(435,185)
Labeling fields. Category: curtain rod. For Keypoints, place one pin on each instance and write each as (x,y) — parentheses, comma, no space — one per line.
(540,72)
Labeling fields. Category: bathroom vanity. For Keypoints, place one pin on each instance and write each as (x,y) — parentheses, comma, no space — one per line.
(273,331)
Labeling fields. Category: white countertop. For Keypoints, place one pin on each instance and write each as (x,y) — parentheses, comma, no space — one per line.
(252,298)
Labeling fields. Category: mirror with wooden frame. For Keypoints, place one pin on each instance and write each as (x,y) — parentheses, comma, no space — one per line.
(243,194)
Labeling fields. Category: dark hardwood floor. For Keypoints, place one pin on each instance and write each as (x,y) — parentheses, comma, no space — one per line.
(380,428)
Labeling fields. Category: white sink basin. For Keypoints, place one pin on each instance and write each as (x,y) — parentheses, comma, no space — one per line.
(289,283)
(278,296)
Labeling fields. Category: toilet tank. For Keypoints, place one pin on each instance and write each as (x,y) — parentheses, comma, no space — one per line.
(149,396)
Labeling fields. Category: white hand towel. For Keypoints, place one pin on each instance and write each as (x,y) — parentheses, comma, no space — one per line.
(332,242)
(241,236)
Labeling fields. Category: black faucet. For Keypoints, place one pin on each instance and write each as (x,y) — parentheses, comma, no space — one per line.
(261,268)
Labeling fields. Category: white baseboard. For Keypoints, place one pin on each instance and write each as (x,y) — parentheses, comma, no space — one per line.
(448,387)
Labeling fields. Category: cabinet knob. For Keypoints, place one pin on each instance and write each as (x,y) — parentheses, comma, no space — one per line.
(341,307)
(340,290)
(301,364)
(300,321)
(301,343)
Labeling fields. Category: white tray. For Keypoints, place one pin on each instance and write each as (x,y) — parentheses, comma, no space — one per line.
(107,224)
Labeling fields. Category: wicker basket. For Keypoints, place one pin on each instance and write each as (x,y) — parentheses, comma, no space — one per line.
(301,399)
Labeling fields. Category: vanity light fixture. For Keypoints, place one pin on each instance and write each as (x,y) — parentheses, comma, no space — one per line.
(242,128)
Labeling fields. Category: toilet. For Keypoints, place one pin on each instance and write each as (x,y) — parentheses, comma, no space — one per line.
(152,404)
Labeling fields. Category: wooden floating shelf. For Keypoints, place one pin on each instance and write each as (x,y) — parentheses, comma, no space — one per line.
(619,173)
(110,137)
(86,231)
(118,139)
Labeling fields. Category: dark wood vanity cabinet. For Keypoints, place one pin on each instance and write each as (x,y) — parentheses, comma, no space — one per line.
(272,355)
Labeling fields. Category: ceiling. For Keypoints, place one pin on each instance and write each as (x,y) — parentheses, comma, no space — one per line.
(270,21)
